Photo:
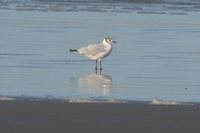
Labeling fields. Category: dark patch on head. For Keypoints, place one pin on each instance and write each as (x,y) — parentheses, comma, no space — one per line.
(108,39)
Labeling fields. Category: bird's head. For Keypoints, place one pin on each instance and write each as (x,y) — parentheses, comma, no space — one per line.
(109,40)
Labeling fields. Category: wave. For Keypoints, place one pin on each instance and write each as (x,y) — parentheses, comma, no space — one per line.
(123,6)
(5,98)
(168,102)
(87,100)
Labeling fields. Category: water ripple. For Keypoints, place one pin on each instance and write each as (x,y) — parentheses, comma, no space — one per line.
(120,6)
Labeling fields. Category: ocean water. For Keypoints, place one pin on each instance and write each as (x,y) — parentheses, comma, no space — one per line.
(157,55)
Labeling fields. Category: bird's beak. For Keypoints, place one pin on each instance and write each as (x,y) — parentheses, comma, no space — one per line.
(114,42)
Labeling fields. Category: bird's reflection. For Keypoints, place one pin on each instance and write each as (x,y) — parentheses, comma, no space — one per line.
(99,84)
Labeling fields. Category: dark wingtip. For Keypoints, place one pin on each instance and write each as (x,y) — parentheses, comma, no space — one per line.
(73,50)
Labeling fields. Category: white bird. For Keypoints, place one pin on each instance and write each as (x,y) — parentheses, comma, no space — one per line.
(96,51)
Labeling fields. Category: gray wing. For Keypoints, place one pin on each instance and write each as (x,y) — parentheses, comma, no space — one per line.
(92,50)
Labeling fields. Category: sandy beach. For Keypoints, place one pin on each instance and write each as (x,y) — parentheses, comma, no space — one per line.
(64,117)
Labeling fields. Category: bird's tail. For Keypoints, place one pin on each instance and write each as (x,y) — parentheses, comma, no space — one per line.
(73,50)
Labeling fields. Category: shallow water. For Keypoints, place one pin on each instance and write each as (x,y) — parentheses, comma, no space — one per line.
(156,57)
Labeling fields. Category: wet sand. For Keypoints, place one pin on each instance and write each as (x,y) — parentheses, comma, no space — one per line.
(63,117)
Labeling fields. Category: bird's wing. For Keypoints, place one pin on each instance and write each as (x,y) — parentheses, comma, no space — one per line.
(92,50)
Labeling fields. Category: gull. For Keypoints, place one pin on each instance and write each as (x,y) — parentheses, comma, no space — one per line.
(97,51)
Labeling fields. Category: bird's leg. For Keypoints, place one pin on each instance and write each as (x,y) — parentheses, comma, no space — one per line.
(96,66)
(101,66)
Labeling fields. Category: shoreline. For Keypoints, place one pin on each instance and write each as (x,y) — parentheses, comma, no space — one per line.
(98,100)
(50,116)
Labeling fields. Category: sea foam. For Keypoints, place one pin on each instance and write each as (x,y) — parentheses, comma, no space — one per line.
(4,98)
(86,100)
(167,102)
